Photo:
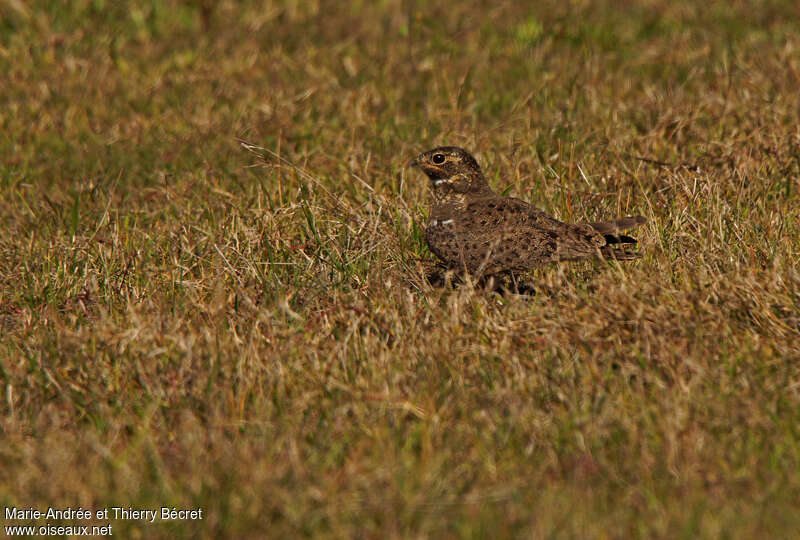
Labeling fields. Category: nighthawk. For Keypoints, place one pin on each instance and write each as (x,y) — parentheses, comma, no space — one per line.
(475,230)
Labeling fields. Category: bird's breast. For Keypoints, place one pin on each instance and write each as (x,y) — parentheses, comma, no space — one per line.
(442,239)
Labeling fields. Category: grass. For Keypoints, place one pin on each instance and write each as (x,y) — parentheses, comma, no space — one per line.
(188,323)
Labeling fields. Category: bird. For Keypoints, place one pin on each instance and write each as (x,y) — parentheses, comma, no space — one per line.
(472,229)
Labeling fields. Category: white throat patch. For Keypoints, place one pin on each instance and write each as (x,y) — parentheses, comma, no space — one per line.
(435,223)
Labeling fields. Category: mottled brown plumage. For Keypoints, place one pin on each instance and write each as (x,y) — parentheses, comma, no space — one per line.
(474,229)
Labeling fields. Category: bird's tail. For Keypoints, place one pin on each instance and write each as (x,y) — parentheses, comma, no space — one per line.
(612,230)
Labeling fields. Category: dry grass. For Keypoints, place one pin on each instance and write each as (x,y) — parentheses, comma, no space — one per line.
(186,323)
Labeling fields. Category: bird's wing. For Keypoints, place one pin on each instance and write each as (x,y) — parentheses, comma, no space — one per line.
(503,233)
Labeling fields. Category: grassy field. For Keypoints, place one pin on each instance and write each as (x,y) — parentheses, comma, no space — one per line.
(190,323)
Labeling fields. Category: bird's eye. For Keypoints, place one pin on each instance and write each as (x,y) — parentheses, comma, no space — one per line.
(438,158)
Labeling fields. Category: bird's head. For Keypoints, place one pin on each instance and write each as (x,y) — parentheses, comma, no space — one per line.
(451,168)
